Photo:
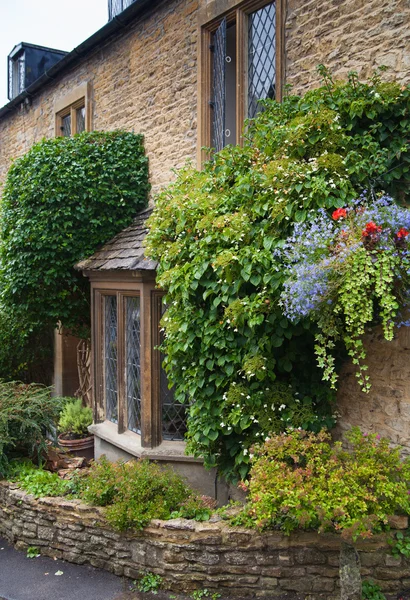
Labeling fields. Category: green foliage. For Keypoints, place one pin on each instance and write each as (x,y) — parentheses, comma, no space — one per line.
(205,593)
(372,591)
(301,480)
(61,201)
(75,418)
(149,582)
(215,232)
(193,508)
(33,552)
(134,492)
(37,481)
(27,414)
(401,544)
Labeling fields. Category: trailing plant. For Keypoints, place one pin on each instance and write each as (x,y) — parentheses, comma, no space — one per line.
(134,492)
(28,414)
(346,272)
(75,419)
(302,480)
(61,201)
(401,544)
(215,234)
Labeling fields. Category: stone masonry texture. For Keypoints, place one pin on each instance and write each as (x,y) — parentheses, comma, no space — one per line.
(191,555)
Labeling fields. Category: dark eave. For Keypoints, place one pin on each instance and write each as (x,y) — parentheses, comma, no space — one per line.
(115,25)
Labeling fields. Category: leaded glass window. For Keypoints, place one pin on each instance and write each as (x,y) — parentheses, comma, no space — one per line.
(133,362)
(261,57)
(66,126)
(173,412)
(80,119)
(110,358)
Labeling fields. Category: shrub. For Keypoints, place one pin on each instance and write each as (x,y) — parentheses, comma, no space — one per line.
(216,234)
(27,414)
(301,480)
(61,201)
(75,418)
(134,492)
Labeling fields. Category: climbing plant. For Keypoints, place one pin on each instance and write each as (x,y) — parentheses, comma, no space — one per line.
(232,353)
(61,201)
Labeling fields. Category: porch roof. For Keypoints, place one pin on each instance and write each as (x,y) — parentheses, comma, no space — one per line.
(124,252)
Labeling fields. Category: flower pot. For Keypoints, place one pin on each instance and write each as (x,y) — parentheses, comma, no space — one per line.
(82,447)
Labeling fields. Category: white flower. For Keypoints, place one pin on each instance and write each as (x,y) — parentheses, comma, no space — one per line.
(282,406)
(245,451)
(222,424)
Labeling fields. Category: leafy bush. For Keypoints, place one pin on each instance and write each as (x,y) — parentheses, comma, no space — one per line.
(61,201)
(301,480)
(36,481)
(134,492)
(149,582)
(372,591)
(216,234)
(75,418)
(27,414)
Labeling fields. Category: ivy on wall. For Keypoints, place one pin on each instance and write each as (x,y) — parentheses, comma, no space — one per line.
(62,200)
(246,369)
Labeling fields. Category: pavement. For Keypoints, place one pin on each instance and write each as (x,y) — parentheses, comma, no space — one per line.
(43,578)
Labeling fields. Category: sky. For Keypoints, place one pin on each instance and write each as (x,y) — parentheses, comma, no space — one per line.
(60,24)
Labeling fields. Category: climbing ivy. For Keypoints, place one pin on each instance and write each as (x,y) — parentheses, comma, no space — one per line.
(243,366)
(62,200)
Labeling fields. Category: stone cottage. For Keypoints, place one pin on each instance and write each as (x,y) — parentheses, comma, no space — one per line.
(186,73)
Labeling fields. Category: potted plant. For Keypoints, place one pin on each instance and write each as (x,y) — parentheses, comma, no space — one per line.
(73,427)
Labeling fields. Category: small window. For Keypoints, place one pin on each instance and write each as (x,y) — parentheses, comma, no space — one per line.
(72,111)
(110,361)
(242,64)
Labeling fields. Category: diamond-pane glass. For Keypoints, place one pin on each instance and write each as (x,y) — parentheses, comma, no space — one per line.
(80,118)
(173,412)
(219,76)
(261,57)
(110,358)
(66,126)
(133,362)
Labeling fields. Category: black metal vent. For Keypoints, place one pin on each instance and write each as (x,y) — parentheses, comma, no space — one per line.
(115,7)
(219,84)
(28,62)
(261,57)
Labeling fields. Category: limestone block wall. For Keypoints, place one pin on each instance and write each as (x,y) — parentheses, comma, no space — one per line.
(190,555)
(386,408)
(143,79)
(346,35)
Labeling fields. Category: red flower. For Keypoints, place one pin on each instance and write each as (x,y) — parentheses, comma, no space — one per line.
(371,228)
(339,214)
(402,233)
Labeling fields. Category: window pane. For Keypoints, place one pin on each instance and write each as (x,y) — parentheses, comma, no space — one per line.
(132,362)
(66,126)
(80,117)
(219,78)
(261,57)
(110,358)
(173,412)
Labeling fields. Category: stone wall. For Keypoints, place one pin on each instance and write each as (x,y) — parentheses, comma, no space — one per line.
(386,409)
(143,79)
(190,555)
(346,35)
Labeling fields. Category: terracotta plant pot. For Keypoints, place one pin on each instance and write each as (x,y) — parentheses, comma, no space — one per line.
(82,447)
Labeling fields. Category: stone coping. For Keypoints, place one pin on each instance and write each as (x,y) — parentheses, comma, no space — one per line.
(191,555)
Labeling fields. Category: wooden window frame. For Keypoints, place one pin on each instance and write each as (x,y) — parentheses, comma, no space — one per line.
(143,286)
(209,20)
(79,97)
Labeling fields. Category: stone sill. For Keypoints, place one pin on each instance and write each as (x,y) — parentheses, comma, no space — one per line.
(131,442)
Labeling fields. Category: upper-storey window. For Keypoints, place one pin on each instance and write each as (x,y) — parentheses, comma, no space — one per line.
(72,112)
(241,64)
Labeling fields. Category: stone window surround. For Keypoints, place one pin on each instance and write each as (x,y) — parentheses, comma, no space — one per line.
(209,19)
(77,98)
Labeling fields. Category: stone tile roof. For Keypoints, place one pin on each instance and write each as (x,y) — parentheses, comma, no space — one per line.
(124,252)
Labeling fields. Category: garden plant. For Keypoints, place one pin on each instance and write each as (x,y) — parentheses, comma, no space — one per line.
(237,350)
